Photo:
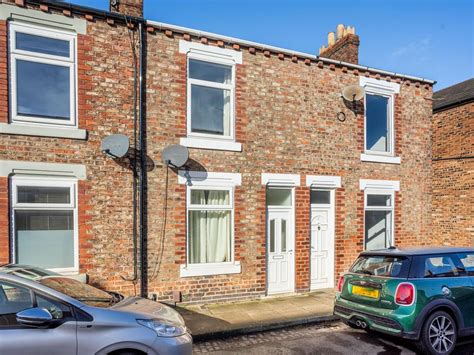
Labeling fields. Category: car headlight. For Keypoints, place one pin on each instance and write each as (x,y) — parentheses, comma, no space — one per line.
(163,328)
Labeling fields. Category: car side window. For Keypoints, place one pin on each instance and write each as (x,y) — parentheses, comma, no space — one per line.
(440,266)
(467,261)
(13,299)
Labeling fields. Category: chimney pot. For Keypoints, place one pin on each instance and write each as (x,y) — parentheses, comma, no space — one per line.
(331,39)
(345,48)
(340,31)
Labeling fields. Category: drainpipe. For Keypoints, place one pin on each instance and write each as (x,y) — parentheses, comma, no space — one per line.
(143,167)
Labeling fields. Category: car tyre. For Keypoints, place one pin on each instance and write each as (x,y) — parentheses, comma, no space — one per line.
(438,335)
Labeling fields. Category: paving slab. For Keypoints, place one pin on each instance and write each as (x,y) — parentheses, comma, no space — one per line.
(209,321)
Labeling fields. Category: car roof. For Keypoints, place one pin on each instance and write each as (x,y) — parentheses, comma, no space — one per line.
(417,251)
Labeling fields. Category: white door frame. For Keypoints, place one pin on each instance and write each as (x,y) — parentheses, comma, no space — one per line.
(330,208)
(290,247)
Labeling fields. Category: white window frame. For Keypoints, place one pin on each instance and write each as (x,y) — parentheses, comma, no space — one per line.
(210,84)
(388,90)
(47,181)
(217,182)
(391,209)
(70,62)
(217,55)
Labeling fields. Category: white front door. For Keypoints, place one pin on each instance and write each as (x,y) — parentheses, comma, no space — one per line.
(322,244)
(280,246)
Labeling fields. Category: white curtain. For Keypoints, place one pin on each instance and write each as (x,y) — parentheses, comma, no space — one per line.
(209,231)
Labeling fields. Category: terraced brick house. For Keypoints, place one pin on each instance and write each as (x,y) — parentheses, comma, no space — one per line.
(285,184)
(453,164)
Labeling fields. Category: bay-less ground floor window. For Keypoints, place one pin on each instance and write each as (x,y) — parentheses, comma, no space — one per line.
(378,219)
(209,226)
(44,222)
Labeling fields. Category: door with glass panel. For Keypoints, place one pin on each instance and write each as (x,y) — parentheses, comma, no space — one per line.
(322,239)
(280,241)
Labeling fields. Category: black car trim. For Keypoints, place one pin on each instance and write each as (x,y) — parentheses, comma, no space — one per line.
(382,321)
(82,316)
(364,283)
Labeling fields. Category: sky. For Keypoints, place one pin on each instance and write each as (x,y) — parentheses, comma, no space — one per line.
(432,39)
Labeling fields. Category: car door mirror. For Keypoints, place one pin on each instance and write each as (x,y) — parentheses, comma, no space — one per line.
(34,317)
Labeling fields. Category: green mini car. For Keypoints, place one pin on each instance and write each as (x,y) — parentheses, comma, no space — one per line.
(426,295)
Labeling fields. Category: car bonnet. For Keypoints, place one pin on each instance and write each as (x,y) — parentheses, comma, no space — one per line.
(148,309)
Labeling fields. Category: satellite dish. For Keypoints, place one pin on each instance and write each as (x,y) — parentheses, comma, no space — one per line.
(353,93)
(115,145)
(175,155)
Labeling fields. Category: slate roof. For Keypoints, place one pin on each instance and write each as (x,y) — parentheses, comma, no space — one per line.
(455,95)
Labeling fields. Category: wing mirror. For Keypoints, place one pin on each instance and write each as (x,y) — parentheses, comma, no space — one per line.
(34,317)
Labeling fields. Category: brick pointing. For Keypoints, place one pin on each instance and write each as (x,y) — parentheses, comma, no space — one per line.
(453,180)
(286,122)
(4,222)
(4,100)
(346,49)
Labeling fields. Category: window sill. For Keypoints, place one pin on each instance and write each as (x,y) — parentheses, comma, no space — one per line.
(380,159)
(191,270)
(47,131)
(75,276)
(212,144)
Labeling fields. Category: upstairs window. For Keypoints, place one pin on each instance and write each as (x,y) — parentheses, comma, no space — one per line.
(210,98)
(378,124)
(379,118)
(43,75)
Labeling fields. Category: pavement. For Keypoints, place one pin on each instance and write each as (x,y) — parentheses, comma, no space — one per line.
(217,320)
(330,338)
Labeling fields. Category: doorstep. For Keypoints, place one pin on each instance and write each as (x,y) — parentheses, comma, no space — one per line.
(217,320)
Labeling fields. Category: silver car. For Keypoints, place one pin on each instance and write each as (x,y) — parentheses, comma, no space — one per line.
(45,313)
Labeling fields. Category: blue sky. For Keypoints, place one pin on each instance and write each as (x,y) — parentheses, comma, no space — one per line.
(427,38)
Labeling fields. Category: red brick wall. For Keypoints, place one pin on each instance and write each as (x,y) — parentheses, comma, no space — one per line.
(346,49)
(4,222)
(302,238)
(3,72)
(453,179)
(286,121)
(104,107)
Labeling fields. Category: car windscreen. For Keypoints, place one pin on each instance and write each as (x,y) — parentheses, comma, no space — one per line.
(80,291)
(382,265)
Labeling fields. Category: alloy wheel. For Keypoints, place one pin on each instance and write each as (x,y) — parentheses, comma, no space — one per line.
(441,334)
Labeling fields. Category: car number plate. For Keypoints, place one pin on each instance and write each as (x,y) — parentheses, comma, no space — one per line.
(364,291)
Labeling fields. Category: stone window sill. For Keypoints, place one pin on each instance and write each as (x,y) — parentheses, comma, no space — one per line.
(46,131)
(212,144)
(191,270)
(380,159)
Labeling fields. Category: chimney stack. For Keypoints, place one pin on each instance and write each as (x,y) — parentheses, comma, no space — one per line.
(342,45)
(127,7)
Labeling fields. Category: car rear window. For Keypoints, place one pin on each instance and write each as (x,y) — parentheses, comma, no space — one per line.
(382,265)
